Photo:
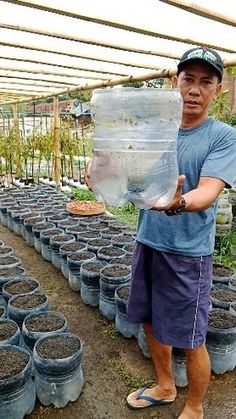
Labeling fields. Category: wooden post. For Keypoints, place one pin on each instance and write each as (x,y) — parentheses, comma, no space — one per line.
(16,129)
(57,143)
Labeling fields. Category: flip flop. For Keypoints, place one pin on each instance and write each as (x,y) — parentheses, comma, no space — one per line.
(152,401)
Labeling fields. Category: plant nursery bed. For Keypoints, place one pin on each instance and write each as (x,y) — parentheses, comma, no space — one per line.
(113,365)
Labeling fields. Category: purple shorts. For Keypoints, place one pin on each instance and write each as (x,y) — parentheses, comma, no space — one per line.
(172,292)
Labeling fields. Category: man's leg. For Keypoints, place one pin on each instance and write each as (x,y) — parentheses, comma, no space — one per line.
(161,357)
(198,372)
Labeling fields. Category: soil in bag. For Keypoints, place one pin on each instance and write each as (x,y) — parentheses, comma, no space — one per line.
(28,301)
(223,271)
(222,320)
(112,251)
(126,260)
(115,271)
(44,323)
(11,272)
(12,363)
(21,287)
(7,329)
(223,295)
(81,256)
(58,347)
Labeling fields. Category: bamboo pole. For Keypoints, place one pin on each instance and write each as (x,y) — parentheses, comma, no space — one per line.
(57,145)
(195,8)
(16,128)
(91,17)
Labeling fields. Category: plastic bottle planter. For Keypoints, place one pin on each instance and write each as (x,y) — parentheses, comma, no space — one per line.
(74,262)
(6,251)
(9,332)
(232,309)
(24,217)
(122,240)
(9,262)
(9,216)
(93,245)
(179,367)
(57,218)
(221,340)
(28,224)
(58,369)
(126,328)
(16,219)
(2,312)
(55,243)
(90,282)
(85,236)
(75,230)
(17,391)
(142,342)
(1,243)
(3,210)
(127,260)
(96,227)
(45,237)
(7,274)
(68,223)
(129,248)
(110,232)
(221,274)
(66,250)
(37,325)
(15,287)
(50,213)
(21,305)
(108,253)
(36,230)
(142,127)
(111,277)
(222,296)
(88,221)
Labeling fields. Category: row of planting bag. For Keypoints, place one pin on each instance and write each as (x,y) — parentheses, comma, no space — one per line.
(95,254)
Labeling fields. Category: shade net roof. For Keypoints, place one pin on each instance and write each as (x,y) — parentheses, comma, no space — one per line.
(50,47)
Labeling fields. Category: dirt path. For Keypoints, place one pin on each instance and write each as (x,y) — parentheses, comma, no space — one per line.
(112,364)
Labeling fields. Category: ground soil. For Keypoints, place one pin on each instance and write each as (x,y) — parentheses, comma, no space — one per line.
(113,365)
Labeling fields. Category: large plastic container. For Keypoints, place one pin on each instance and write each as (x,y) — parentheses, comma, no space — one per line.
(221,340)
(58,380)
(17,392)
(135,145)
(126,328)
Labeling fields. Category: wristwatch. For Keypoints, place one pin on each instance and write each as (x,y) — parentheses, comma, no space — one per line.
(179,210)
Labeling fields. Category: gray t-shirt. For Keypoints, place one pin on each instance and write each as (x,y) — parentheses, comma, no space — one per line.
(206,150)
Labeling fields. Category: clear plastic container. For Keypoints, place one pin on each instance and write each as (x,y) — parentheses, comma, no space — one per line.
(135,145)
(58,381)
(17,393)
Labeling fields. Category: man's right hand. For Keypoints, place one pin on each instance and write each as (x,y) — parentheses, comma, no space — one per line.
(87,175)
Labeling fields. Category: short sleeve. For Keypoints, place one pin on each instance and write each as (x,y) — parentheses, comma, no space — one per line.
(221,160)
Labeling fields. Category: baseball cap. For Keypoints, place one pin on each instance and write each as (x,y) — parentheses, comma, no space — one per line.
(204,54)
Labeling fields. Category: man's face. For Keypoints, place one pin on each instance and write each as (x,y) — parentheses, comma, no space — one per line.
(198,85)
